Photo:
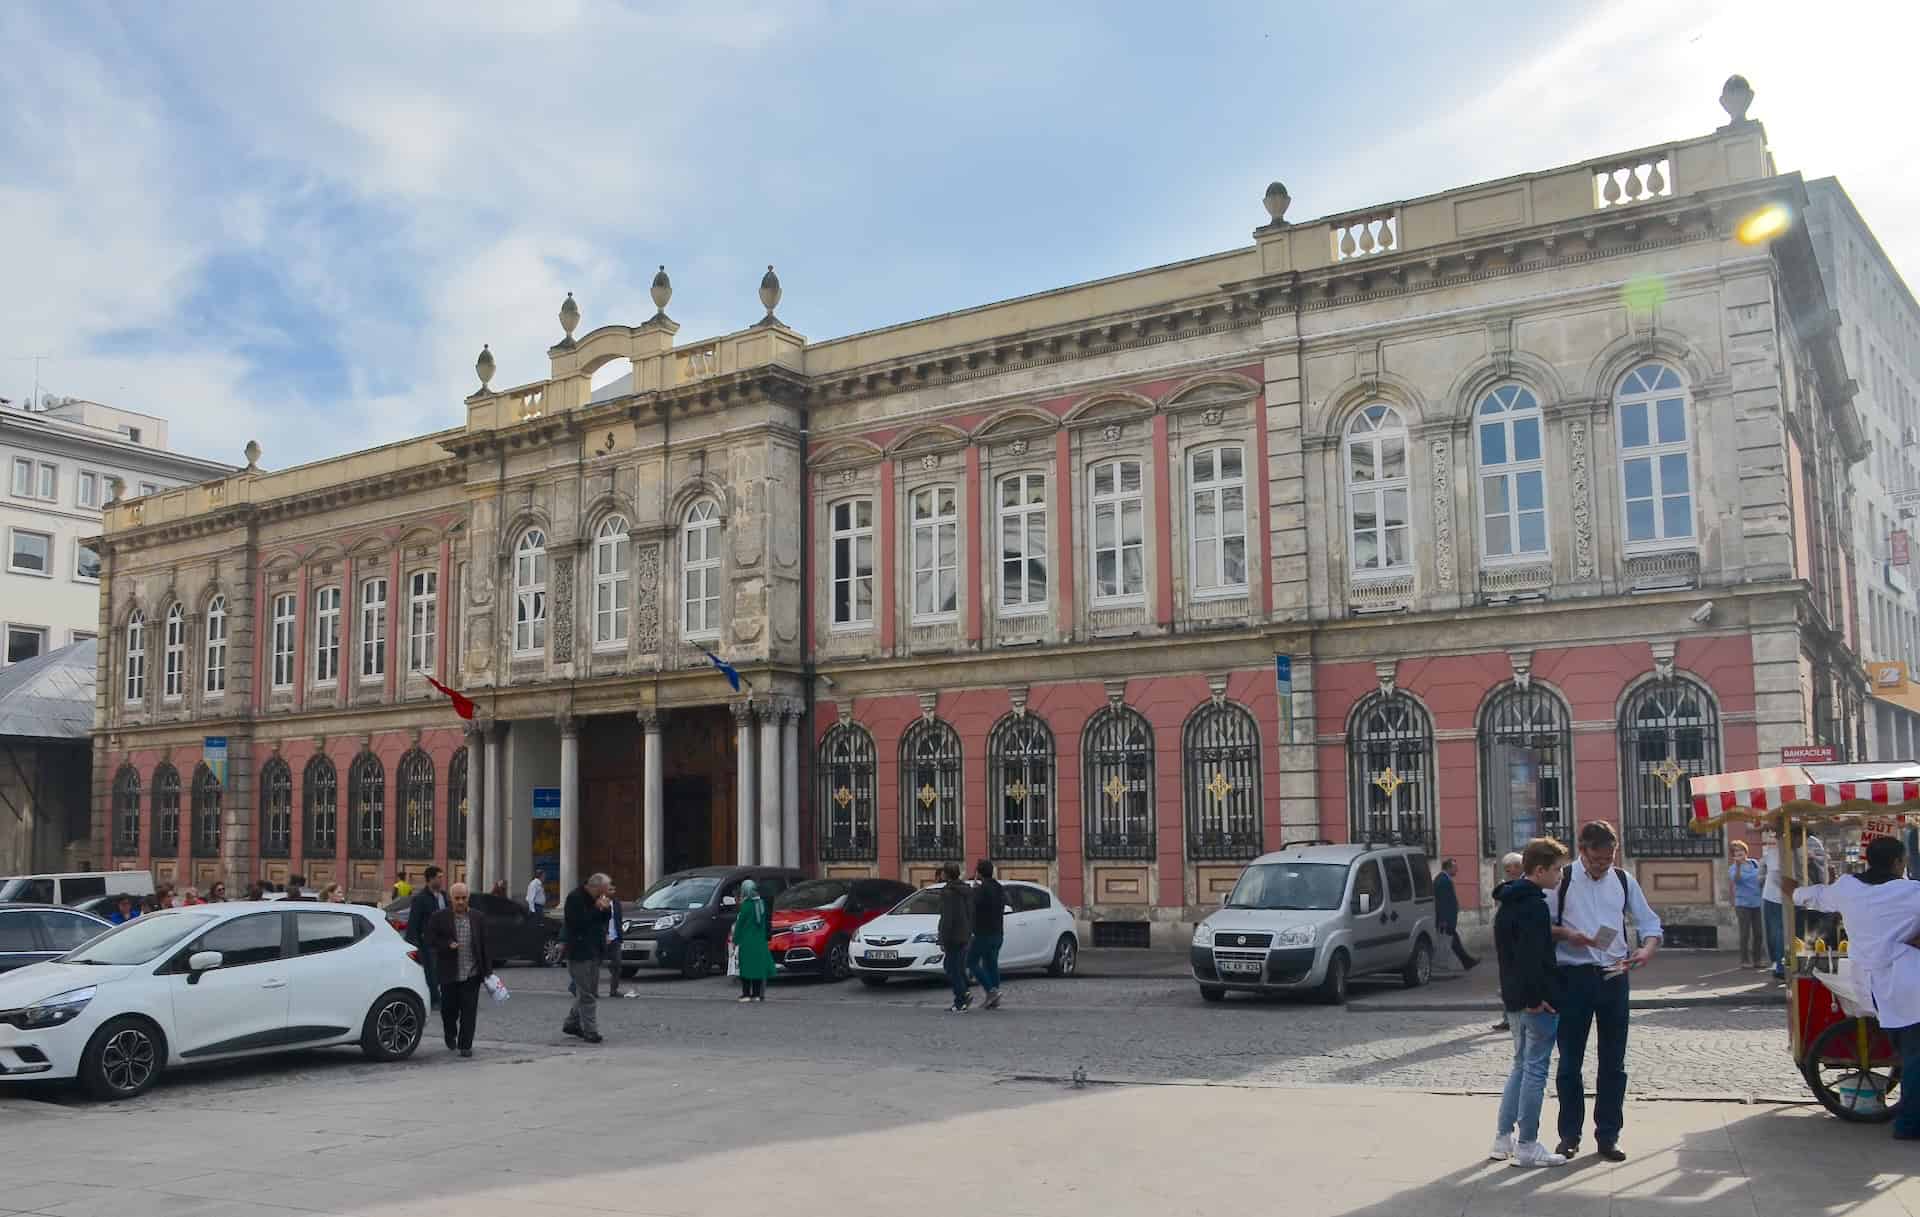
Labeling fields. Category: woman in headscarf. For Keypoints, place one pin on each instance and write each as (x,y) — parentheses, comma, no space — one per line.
(750,943)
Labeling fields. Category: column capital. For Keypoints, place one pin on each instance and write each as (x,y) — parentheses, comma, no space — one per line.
(650,719)
(792,709)
(470,727)
(743,711)
(569,725)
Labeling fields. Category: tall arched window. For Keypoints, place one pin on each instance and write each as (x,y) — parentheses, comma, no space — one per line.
(612,559)
(930,792)
(1655,458)
(1116,786)
(1217,520)
(1526,758)
(126,811)
(276,809)
(320,802)
(173,670)
(1020,789)
(457,805)
(1023,544)
(166,810)
(136,658)
(206,813)
(935,523)
(414,789)
(700,571)
(530,593)
(1390,772)
(1669,735)
(367,807)
(846,799)
(216,663)
(1220,758)
(1513,491)
(1377,491)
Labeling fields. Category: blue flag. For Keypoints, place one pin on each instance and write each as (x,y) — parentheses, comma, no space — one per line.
(726,669)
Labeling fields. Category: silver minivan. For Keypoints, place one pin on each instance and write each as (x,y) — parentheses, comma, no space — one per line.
(1310,917)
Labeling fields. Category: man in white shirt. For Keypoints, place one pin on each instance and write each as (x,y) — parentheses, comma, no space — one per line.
(1590,913)
(536,898)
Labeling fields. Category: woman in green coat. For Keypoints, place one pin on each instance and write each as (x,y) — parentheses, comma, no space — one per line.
(750,943)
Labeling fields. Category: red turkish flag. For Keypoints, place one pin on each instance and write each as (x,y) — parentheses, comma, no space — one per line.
(462,704)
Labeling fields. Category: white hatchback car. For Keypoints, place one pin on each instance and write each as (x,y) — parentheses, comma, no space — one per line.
(906,941)
(207,983)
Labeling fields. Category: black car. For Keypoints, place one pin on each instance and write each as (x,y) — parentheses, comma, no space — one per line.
(511,933)
(34,933)
(683,920)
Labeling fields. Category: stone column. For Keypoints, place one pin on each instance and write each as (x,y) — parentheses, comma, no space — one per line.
(743,832)
(790,776)
(771,817)
(476,801)
(493,854)
(653,811)
(569,802)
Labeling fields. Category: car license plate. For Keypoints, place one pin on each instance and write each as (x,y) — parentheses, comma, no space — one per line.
(883,954)
(1247,966)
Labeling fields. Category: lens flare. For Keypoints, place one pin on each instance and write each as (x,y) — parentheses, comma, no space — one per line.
(1764,225)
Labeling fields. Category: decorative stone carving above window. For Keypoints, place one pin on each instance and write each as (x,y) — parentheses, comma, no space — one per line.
(1111,432)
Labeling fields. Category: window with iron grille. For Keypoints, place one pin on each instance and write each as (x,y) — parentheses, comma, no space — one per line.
(206,813)
(126,811)
(457,805)
(1020,789)
(1669,735)
(1116,789)
(1390,772)
(415,792)
(276,809)
(847,763)
(930,792)
(367,807)
(320,796)
(1526,769)
(1220,758)
(166,810)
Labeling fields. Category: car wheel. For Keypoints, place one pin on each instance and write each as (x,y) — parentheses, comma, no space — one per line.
(839,961)
(1213,993)
(1419,969)
(393,1027)
(122,1059)
(1066,957)
(1333,988)
(552,954)
(873,982)
(699,960)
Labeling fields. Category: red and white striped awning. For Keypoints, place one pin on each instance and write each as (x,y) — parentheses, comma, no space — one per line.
(1808,790)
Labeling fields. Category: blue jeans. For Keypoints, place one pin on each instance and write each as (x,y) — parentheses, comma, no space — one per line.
(1776,919)
(955,964)
(1906,1115)
(1590,999)
(1533,1039)
(983,959)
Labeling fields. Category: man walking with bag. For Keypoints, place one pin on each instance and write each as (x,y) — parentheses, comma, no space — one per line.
(585,916)
(457,939)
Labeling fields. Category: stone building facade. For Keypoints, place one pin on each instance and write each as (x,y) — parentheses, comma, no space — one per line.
(1451,520)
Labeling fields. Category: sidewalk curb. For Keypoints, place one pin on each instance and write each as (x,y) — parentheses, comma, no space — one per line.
(1637,1003)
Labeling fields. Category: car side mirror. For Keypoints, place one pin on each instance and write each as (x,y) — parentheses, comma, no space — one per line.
(728,902)
(1365,901)
(201,962)
(1226,898)
(1006,908)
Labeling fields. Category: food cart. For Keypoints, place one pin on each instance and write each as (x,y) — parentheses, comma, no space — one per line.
(1851,1065)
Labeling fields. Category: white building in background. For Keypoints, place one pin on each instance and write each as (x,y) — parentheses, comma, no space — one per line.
(59,461)
(1880,338)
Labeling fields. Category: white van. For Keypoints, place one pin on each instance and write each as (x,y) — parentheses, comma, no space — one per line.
(74,887)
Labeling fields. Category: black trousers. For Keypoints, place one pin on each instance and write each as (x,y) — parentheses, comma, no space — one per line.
(460,1009)
(1588,1000)
(1459,949)
(431,967)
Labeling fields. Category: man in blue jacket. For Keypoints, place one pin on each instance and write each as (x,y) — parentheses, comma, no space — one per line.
(1446,913)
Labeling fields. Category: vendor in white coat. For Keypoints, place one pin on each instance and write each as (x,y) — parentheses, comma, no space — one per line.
(1882,911)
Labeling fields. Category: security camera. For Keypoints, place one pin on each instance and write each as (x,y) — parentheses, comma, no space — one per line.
(824,679)
(1703,614)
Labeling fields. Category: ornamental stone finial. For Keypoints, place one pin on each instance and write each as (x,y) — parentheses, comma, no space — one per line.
(484,365)
(1735,96)
(1277,200)
(662,291)
(569,318)
(770,295)
(252,452)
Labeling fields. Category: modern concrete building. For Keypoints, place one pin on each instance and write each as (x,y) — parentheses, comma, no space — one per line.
(1451,520)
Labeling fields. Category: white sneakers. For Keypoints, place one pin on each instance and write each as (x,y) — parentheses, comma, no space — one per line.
(1532,1153)
(1502,1148)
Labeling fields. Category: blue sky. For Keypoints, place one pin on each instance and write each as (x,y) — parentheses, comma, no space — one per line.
(298,224)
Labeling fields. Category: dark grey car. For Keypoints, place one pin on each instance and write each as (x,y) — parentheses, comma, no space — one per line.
(682,921)
(35,933)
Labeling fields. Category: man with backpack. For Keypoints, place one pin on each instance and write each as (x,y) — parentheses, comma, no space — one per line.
(1590,913)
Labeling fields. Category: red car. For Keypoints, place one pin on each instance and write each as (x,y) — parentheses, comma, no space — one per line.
(814,920)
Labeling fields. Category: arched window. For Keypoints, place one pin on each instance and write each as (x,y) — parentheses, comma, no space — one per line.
(166,810)
(1023,544)
(1116,787)
(320,798)
(126,811)
(1390,772)
(1217,519)
(530,593)
(206,813)
(276,809)
(457,805)
(367,807)
(930,792)
(1526,759)
(1669,735)
(852,539)
(173,669)
(415,792)
(136,658)
(1513,491)
(612,559)
(846,802)
(700,570)
(1377,491)
(1020,789)
(1655,458)
(936,553)
(1220,758)
(216,664)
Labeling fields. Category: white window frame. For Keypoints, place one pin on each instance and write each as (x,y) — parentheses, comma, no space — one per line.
(1516,403)
(148,488)
(173,654)
(20,482)
(941,522)
(6,640)
(214,679)
(86,489)
(700,576)
(530,594)
(46,573)
(1652,452)
(1379,430)
(423,620)
(373,629)
(284,639)
(80,547)
(1207,577)
(1016,597)
(612,579)
(847,543)
(328,603)
(136,659)
(1114,506)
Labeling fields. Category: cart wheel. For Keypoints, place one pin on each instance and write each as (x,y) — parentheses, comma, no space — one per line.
(1852,1070)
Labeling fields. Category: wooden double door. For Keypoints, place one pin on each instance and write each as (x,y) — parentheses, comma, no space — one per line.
(698,785)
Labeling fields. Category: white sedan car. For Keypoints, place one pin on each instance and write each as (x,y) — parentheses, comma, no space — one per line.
(208,983)
(906,941)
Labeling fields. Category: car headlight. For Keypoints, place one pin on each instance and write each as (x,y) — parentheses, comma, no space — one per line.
(1203,935)
(811,925)
(50,1011)
(928,937)
(669,921)
(1295,936)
